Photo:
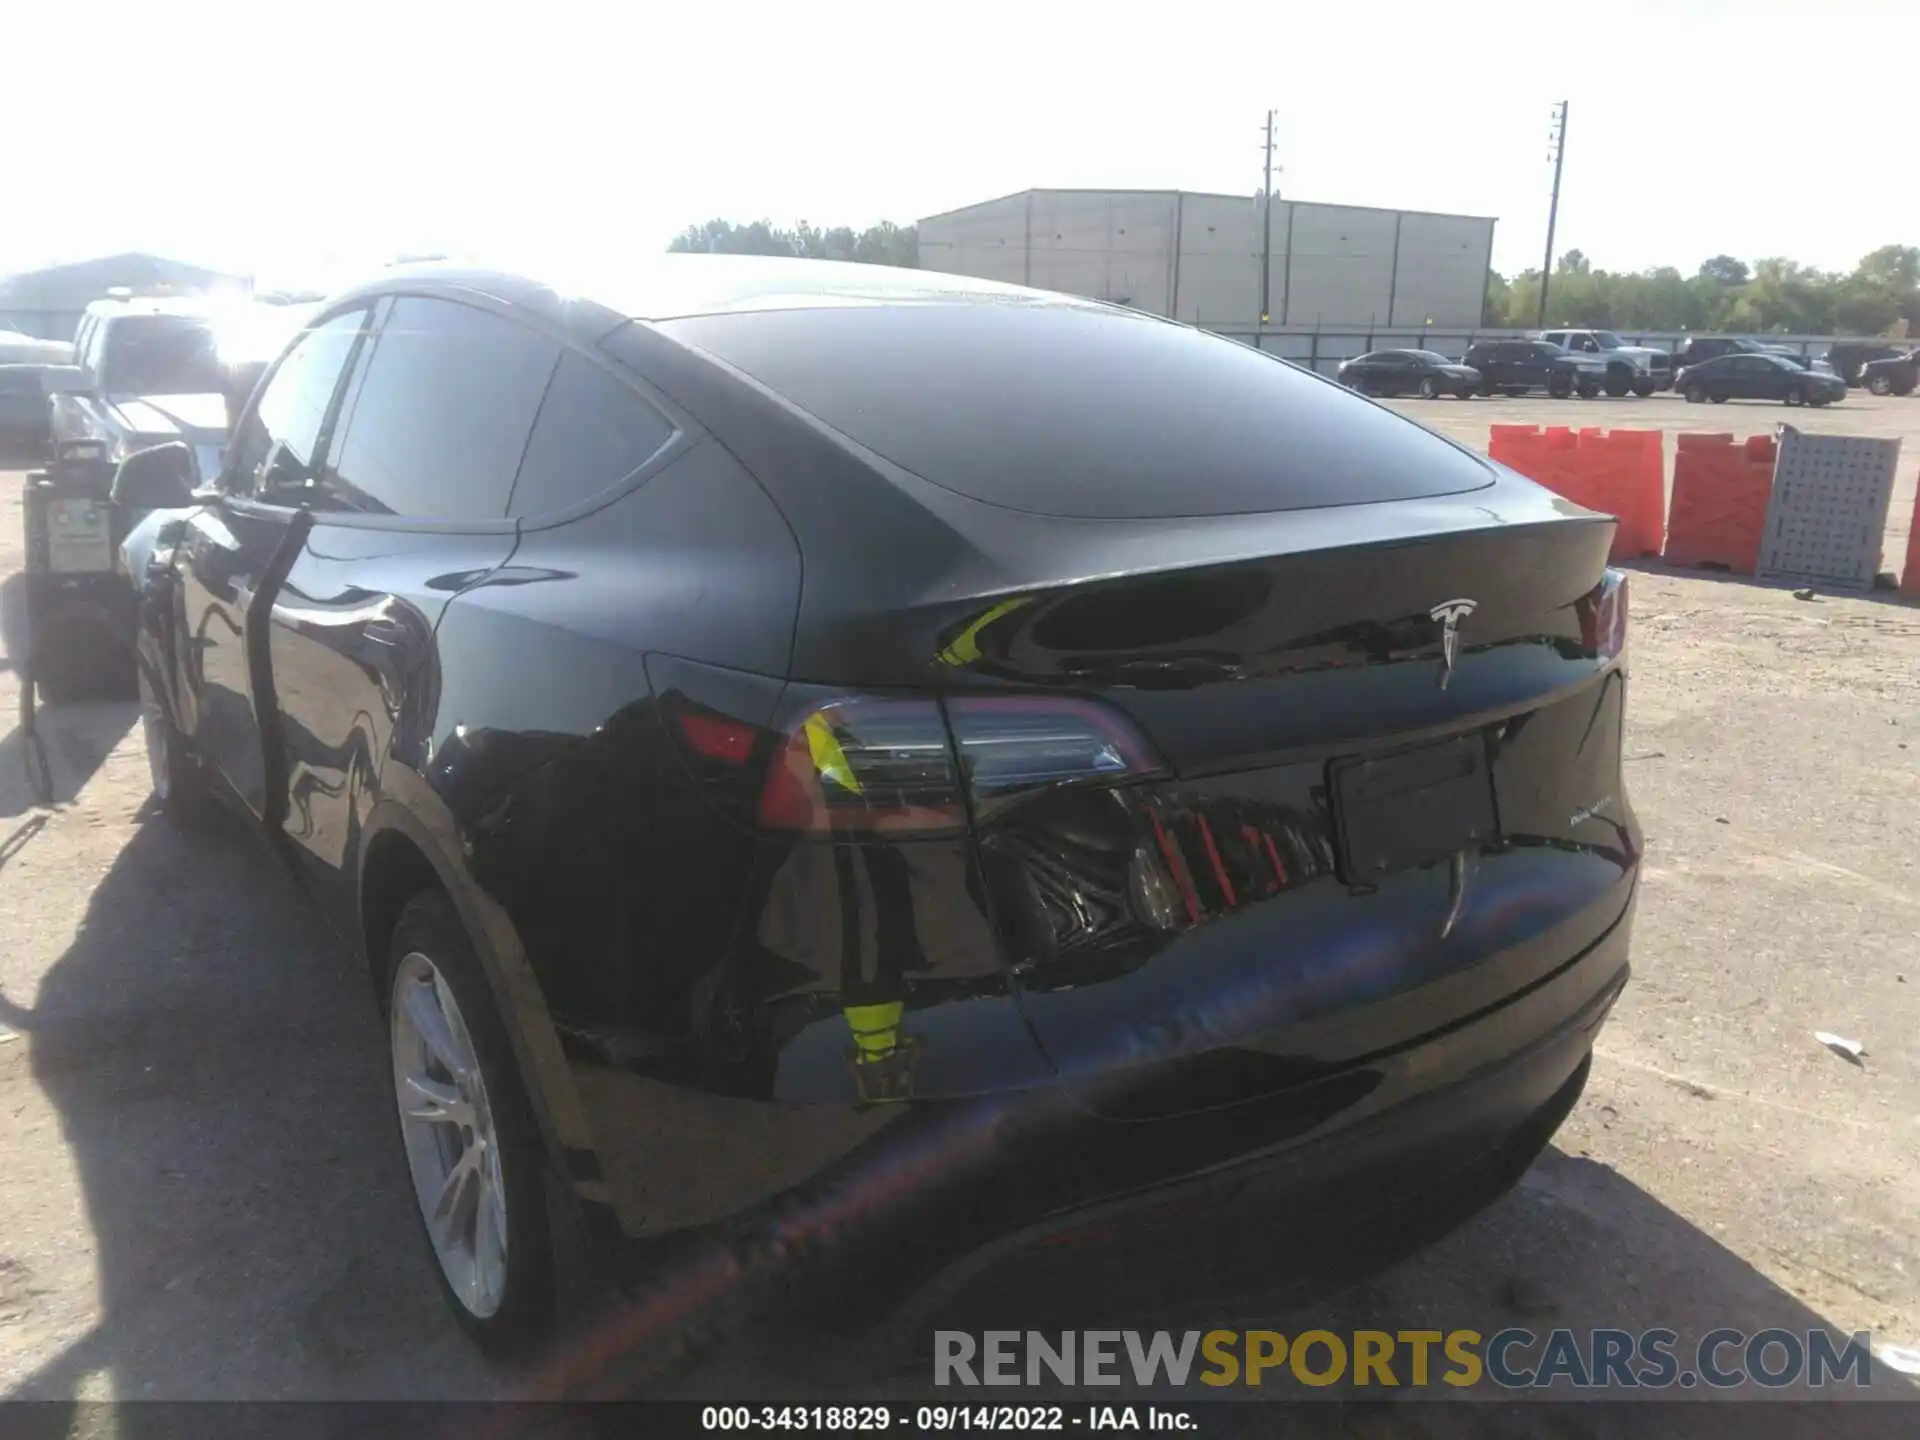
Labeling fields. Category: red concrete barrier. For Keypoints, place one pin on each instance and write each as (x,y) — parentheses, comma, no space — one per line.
(1620,472)
(1720,494)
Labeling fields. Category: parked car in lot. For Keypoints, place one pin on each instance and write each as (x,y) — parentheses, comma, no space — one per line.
(1639,369)
(1513,367)
(19,349)
(1897,376)
(1758,377)
(1698,348)
(148,371)
(23,411)
(1850,356)
(144,372)
(1409,372)
(786,812)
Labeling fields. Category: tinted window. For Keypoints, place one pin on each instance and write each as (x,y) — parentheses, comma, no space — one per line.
(274,452)
(1062,410)
(160,355)
(95,342)
(593,432)
(438,413)
(1543,351)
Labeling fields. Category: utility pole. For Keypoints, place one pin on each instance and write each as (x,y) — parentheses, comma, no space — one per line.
(1557,139)
(1266,225)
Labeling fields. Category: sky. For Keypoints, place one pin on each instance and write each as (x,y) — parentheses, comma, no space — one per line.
(300,142)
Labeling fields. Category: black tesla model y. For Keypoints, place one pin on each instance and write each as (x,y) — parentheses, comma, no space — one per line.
(846,770)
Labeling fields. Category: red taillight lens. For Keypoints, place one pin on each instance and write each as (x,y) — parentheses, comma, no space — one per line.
(714,737)
(887,766)
(865,765)
(1603,616)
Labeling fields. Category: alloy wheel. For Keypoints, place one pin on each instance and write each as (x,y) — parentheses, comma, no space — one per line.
(446,1124)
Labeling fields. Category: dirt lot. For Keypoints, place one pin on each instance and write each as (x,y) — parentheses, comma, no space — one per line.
(199,1199)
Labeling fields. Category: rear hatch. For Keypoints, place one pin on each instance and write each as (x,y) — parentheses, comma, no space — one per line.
(1299,837)
(1360,831)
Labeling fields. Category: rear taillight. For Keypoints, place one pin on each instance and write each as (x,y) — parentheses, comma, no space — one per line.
(865,765)
(1603,616)
(1013,745)
(895,766)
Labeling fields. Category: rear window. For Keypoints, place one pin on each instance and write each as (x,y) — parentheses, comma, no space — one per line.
(1074,411)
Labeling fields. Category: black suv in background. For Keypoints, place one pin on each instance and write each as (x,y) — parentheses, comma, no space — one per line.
(1513,367)
(1848,358)
(144,372)
(1899,375)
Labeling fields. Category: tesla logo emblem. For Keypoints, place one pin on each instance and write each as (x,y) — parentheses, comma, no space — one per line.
(1450,613)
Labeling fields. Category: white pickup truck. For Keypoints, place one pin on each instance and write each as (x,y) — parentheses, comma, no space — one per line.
(1629,367)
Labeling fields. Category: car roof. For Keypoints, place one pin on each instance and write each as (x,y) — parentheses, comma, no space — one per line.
(150,305)
(678,286)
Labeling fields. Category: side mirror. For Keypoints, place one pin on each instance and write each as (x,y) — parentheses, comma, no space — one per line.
(160,478)
(65,380)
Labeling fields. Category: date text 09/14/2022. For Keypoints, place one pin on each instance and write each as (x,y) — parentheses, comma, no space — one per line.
(939,1419)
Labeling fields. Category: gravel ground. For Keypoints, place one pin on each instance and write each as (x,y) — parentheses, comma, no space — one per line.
(199,1199)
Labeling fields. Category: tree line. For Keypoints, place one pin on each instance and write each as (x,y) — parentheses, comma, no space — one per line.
(1724,294)
(881,244)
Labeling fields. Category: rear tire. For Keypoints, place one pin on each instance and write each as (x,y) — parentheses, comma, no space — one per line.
(459,1102)
(1617,384)
(1718,399)
(1796,396)
(1696,394)
(1643,388)
(1559,388)
(1429,389)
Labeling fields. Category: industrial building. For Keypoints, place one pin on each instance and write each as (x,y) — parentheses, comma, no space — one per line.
(49,303)
(1197,257)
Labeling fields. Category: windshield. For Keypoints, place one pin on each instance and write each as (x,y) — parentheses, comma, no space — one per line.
(1433,357)
(160,355)
(1607,340)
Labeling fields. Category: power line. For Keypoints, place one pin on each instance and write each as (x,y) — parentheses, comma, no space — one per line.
(1266,225)
(1557,140)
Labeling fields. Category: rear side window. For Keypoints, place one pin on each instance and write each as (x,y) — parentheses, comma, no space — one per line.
(438,413)
(593,432)
(274,451)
